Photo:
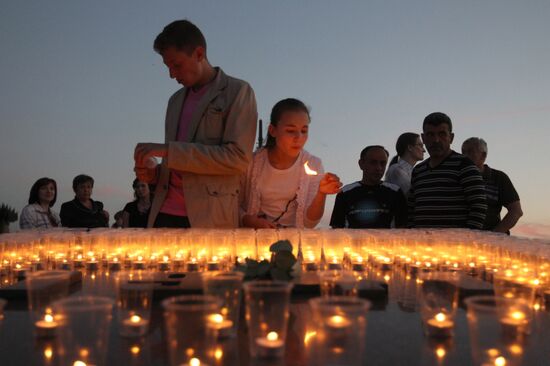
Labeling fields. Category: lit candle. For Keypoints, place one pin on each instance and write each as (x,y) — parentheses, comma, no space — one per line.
(338,322)
(46,327)
(334,265)
(78,261)
(222,326)
(514,323)
(193,266)
(194,362)
(65,265)
(213,265)
(270,346)
(19,272)
(139,263)
(164,265)
(91,265)
(134,326)
(114,265)
(440,326)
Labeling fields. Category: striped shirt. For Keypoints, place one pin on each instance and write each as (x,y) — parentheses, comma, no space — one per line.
(451,194)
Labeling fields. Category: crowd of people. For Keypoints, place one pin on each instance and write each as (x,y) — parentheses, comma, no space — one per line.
(210,177)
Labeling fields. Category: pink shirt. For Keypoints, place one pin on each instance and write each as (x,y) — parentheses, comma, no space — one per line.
(174,204)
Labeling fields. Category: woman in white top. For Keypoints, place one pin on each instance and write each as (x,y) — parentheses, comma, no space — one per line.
(410,150)
(277,191)
(38,213)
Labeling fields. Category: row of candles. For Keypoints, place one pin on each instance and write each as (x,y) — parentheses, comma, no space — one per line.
(477,253)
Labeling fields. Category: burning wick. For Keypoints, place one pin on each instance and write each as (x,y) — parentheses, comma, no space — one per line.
(308,170)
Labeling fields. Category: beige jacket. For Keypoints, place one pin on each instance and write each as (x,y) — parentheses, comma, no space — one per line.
(217,151)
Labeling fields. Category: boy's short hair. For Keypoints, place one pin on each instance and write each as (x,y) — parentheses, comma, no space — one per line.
(80,179)
(182,35)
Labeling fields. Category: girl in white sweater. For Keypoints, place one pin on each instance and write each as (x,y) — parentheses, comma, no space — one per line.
(277,191)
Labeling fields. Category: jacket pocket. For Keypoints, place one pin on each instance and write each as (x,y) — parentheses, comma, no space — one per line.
(223,205)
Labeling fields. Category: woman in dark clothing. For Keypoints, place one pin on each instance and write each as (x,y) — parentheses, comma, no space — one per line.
(136,213)
(83,211)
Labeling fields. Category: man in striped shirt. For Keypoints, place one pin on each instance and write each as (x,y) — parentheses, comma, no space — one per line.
(447,189)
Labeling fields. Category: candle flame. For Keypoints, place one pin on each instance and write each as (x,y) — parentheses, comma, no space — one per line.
(194,362)
(308,170)
(79,363)
(272,336)
(500,361)
(48,318)
(517,315)
(216,318)
(135,318)
(337,319)
(135,350)
(440,317)
(440,352)
(309,335)
(48,353)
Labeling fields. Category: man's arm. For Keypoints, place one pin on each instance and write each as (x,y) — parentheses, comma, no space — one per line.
(511,218)
(474,191)
(338,217)
(401,213)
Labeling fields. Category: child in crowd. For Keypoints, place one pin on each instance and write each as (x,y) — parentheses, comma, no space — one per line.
(278,191)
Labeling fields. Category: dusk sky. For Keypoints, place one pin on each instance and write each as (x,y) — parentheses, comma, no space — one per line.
(81,84)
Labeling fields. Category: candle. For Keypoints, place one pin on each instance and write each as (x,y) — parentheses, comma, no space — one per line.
(222,326)
(46,327)
(91,265)
(338,322)
(78,261)
(514,323)
(114,265)
(134,326)
(139,264)
(19,272)
(440,326)
(270,346)
(164,265)
(192,266)
(194,362)
(213,265)
(65,265)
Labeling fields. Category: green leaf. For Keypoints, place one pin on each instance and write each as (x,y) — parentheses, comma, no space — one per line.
(281,245)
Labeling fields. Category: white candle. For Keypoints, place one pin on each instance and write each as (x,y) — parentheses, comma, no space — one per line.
(139,264)
(134,326)
(440,326)
(222,326)
(514,322)
(46,327)
(338,322)
(270,346)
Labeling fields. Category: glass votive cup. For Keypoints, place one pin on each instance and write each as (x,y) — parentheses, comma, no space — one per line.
(492,342)
(337,331)
(337,283)
(83,329)
(438,303)
(267,313)
(189,336)
(43,288)
(226,286)
(134,297)
(513,286)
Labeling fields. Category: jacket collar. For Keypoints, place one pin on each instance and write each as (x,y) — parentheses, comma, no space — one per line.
(217,85)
